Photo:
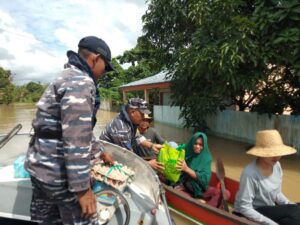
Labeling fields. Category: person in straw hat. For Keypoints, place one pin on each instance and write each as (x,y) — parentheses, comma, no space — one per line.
(259,197)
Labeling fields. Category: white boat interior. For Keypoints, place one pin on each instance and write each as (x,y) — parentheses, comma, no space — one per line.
(141,202)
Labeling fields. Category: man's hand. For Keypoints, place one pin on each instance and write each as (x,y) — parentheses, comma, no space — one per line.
(87,201)
(156,165)
(151,146)
(156,148)
(107,158)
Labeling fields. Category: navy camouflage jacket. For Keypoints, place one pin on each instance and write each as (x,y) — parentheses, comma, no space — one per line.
(64,113)
(121,131)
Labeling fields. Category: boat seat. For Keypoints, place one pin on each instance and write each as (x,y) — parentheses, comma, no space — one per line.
(7,174)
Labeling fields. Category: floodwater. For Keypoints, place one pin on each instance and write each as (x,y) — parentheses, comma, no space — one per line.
(231,152)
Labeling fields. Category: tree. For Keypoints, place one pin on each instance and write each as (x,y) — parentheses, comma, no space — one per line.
(218,52)
(142,59)
(142,64)
(279,93)
(30,92)
(277,24)
(34,91)
(6,86)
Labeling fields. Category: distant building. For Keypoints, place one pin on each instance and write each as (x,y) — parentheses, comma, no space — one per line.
(157,81)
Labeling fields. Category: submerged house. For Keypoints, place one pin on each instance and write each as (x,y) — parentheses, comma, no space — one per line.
(157,82)
(162,110)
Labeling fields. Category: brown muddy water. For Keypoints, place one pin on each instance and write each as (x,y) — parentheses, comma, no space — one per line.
(231,152)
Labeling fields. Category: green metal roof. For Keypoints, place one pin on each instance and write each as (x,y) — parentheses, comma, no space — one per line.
(157,78)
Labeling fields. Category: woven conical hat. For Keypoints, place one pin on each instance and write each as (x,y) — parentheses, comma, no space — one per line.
(269,144)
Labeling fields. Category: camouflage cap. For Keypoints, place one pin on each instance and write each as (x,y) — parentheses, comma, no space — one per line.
(140,104)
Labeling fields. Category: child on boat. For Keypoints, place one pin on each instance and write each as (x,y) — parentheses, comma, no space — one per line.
(259,197)
(196,170)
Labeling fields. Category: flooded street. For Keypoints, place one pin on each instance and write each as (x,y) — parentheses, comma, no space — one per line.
(13,114)
(231,152)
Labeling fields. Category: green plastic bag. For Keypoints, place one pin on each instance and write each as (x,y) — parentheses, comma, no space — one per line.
(169,157)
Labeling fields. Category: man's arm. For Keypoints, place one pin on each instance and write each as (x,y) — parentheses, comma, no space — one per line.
(245,201)
(76,113)
(117,132)
(156,165)
(98,153)
(150,145)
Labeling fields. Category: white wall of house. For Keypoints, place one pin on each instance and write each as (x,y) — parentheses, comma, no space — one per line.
(166,98)
(168,115)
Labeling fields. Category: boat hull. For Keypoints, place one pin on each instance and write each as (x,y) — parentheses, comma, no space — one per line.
(202,212)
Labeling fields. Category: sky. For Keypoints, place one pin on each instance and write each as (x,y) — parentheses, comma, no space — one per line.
(35,34)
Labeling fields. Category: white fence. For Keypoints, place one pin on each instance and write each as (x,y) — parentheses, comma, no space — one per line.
(167,114)
(240,126)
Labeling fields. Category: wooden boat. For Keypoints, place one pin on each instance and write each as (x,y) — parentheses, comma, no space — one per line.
(204,213)
(141,202)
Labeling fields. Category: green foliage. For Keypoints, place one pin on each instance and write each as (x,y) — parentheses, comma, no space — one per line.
(7,96)
(28,93)
(34,87)
(218,52)
(9,93)
(281,91)
(112,94)
(142,64)
(20,94)
(5,77)
(6,86)
(278,31)
(113,78)
(142,60)
(278,34)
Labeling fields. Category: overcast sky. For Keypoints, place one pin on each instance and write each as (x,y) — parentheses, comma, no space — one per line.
(35,34)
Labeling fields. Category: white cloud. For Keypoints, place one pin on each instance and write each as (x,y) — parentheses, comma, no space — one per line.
(30,57)
(66,37)
(34,36)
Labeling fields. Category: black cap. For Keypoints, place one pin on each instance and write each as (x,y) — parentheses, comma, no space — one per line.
(140,104)
(98,46)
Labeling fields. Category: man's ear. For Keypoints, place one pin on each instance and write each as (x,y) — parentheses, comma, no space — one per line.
(90,60)
(94,60)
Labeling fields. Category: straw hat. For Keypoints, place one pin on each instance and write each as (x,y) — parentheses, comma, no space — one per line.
(147,117)
(269,144)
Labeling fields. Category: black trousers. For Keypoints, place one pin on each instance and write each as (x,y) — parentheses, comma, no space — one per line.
(282,214)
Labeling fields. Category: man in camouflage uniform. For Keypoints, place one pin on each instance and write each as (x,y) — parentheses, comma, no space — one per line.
(58,157)
(122,129)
